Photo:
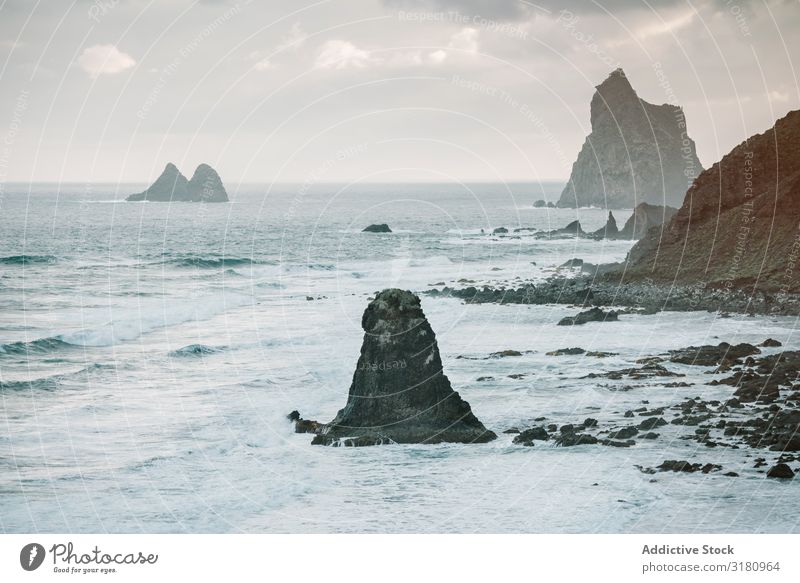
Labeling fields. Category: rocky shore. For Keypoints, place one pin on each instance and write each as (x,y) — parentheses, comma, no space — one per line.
(600,290)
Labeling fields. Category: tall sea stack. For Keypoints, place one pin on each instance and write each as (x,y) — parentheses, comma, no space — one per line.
(637,152)
(399,391)
(739,227)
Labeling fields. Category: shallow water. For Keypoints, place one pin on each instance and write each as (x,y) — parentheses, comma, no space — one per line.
(110,423)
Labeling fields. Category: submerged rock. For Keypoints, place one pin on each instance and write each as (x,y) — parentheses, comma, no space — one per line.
(411,403)
(592,315)
(381,228)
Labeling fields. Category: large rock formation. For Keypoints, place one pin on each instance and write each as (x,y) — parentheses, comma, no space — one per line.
(637,152)
(399,392)
(206,185)
(645,217)
(739,227)
(172,186)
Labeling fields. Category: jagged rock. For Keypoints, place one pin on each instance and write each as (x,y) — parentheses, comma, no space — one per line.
(737,229)
(573,229)
(172,186)
(645,217)
(413,403)
(206,185)
(528,436)
(381,228)
(782,471)
(592,315)
(566,352)
(709,355)
(637,152)
(685,466)
(609,230)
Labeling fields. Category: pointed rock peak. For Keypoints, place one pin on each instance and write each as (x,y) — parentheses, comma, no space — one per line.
(399,391)
(206,185)
(616,86)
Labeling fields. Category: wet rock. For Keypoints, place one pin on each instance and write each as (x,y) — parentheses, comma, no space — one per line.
(413,403)
(782,471)
(652,423)
(685,466)
(573,263)
(377,228)
(770,343)
(708,355)
(566,352)
(528,436)
(505,353)
(645,372)
(500,231)
(592,315)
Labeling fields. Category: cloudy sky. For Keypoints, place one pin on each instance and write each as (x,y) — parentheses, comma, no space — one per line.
(372,90)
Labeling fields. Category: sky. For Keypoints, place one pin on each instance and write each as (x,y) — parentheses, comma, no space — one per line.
(370,90)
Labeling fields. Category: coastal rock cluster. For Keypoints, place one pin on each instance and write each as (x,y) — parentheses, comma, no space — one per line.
(637,152)
(172,186)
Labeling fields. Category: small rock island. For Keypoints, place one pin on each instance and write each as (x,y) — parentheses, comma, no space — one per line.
(172,186)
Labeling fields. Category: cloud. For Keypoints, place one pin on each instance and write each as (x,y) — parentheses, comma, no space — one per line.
(104,60)
(292,41)
(341,54)
(497,9)
(465,40)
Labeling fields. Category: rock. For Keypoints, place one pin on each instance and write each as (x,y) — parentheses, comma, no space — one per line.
(412,403)
(589,422)
(573,263)
(539,204)
(685,466)
(645,216)
(652,423)
(592,315)
(573,439)
(770,343)
(599,354)
(782,471)
(528,436)
(500,231)
(551,205)
(566,352)
(573,229)
(206,185)
(737,226)
(381,228)
(505,353)
(636,152)
(172,186)
(609,230)
(624,433)
(709,355)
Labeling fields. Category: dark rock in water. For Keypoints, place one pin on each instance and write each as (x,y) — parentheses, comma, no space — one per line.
(303,425)
(637,152)
(609,231)
(381,228)
(172,186)
(412,403)
(624,433)
(551,205)
(206,185)
(566,352)
(645,217)
(573,263)
(573,439)
(539,204)
(684,466)
(195,350)
(650,370)
(573,229)
(738,223)
(592,315)
(709,355)
(652,423)
(782,471)
(500,231)
(528,436)
(770,343)
(505,353)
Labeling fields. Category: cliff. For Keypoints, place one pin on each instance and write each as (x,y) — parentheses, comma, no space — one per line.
(637,152)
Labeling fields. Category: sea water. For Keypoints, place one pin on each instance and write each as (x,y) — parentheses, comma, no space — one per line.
(150,352)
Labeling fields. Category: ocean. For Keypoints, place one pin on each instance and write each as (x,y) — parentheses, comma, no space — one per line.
(150,352)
